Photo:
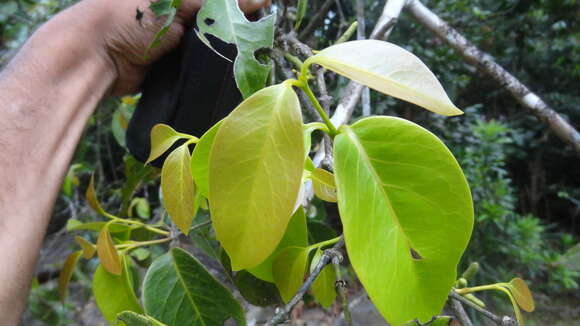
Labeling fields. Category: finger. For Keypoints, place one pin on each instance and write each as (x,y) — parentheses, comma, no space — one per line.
(250,6)
(188,9)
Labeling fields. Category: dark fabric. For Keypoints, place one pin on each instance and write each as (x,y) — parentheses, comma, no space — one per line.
(190,89)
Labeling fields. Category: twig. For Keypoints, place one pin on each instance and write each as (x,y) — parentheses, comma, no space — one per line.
(460,313)
(487,64)
(332,255)
(322,11)
(341,291)
(500,321)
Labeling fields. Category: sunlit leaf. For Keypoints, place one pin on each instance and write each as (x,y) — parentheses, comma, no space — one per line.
(162,137)
(296,236)
(323,184)
(177,290)
(178,188)
(66,273)
(522,294)
(88,248)
(255,173)
(200,159)
(107,253)
(76,225)
(407,214)
(114,293)
(224,20)
(288,269)
(323,286)
(388,69)
(133,319)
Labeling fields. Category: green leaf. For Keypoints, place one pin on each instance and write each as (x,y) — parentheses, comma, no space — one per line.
(296,236)
(323,184)
(224,20)
(107,253)
(135,173)
(323,286)
(115,293)
(300,12)
(178,188)
(178,291)
(388,69)
(88,248)
(141,206)
(141,254)
(200,159)
(288,269)
(318,232)
(255,291)
(407,214)
(133,319)
(255,173)
(162,137)
(167,8)
(522,294)
(66,273)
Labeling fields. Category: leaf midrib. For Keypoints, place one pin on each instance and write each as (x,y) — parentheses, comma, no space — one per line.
(185,288)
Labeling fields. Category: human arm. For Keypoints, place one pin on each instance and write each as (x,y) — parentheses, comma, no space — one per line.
(47,93)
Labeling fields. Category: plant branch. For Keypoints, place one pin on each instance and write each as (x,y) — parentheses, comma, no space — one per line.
(500,321)
(333,256)
(487,64)
(317,19)
(460,313)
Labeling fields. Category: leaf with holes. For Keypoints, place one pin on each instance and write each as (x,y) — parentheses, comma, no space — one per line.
(255,173)
(388,69)
(167,8)
(224,20)
(178,291)
(200,159)
(66,273)
(323,286)
(407,214)
(323,184)
(178,188)
(107,253)
(114,293)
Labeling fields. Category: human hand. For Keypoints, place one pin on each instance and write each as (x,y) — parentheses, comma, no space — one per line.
(131,26)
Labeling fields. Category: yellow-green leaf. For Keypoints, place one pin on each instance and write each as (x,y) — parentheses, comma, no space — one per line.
(200,159)
(389,69)
(178,188)
(522,294)
(162,137)
(255,172)
(323,286)
(323,184)
(66,273)
(88,248)
(288,269)
(107,253)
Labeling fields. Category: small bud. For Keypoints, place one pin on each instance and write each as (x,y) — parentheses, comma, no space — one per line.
(471,270)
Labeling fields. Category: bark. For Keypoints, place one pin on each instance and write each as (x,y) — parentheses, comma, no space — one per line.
(487,64)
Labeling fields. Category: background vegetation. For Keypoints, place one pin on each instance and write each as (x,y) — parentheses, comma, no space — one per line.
(525,181)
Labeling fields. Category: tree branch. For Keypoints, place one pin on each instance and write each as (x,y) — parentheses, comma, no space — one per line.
(487,64)
(333,256)
(307,31)
(460,312)
(500,321)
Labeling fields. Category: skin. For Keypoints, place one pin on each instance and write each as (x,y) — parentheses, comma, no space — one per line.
(47,93)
